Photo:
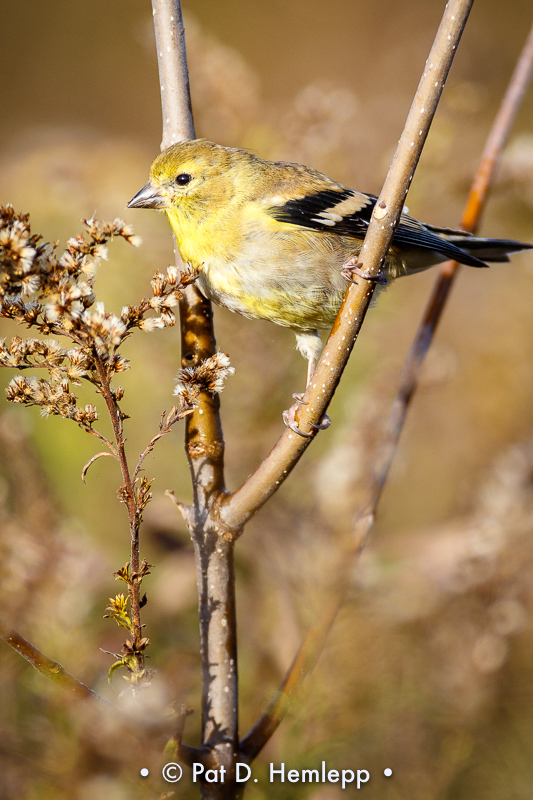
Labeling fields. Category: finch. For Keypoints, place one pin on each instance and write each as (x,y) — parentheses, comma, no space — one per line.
(280,241)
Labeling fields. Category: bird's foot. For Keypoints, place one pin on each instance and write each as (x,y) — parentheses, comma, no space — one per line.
(325,422)
(289,418)
(353,267)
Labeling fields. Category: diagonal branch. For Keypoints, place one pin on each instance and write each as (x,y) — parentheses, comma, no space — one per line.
(46,666)
(470,220)
(94,432)
(55,672)
(304,662)
(313,643)
(235,509)
(166,426)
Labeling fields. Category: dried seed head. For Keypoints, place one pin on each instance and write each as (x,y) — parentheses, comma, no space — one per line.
(209,376)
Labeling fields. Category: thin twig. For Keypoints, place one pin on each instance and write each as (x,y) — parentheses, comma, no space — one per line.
(134,588)
(46,666)
(174,416)
(313,643)
(235,509)
(186,511)
(94,432)
(55,672)
(93,459)
(180,724)
(303,663)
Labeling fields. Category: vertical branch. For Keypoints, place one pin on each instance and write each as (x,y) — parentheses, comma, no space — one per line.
(203,439)
(176,105)
(204,442)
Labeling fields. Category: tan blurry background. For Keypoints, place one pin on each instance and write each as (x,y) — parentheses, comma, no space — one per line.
(428,669)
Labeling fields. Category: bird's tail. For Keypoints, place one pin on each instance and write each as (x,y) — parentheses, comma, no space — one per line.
(477,249)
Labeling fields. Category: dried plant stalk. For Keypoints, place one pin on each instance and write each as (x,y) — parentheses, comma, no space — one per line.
(53,293)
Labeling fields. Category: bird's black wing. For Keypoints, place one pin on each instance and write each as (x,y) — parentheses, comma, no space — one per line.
(340,211)
(348,213)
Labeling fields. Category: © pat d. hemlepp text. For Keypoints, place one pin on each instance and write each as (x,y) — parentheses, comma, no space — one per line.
(279,773)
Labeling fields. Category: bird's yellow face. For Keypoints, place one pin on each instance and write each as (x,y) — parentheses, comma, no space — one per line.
(184,176)
(196,183)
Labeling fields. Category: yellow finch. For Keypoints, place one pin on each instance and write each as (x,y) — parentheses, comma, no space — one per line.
(280,241)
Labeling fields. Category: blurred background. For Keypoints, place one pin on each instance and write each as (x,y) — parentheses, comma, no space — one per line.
(428,669)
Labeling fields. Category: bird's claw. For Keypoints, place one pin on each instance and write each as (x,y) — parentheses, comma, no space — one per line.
(289,419)
(353,267)
(325,422)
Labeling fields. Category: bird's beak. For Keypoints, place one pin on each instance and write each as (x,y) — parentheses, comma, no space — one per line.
(149,197)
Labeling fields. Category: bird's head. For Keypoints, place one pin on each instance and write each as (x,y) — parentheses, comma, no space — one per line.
(191,179)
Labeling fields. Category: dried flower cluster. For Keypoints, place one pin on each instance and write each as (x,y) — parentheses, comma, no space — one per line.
(53,293)
(209,376)
(51,398)
(166,293)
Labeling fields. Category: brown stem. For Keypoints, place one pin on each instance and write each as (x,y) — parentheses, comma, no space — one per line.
(303,663)
(94,432)
(91,461)
(313,643)
(134,587)
(235,509)
(204,442)
(46,666)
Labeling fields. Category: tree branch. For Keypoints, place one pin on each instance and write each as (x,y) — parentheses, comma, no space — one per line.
(235,509)
(470,221)
(173,73)
(204,440)
(314,641)
(46,666)
(304,662)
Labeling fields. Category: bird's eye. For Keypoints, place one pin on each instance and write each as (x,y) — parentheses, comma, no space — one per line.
(183,179)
